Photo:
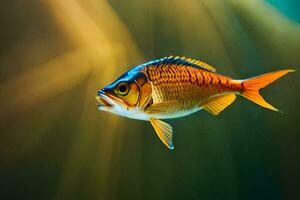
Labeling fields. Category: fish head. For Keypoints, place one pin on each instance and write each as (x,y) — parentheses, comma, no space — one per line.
(126,96)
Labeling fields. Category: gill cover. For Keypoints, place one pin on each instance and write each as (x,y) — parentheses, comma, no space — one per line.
(145,89)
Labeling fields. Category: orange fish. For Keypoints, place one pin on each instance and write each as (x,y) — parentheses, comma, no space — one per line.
(174,87)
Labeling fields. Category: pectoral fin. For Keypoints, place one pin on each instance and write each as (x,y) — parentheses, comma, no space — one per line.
(215,105)
(162,107)
(164,132)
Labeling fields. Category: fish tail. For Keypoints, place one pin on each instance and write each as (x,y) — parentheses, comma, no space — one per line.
(253,85)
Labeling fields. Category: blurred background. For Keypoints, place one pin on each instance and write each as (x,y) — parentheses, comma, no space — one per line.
(55,55)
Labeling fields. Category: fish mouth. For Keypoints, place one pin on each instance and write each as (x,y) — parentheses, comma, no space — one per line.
(103,100)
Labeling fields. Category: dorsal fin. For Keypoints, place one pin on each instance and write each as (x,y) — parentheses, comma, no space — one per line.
(199,63)
(177,60)
(195,62)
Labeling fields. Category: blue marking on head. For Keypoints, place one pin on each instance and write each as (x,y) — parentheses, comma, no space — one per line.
(128,76)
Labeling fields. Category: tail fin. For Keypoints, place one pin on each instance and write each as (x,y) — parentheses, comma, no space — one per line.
(253,85)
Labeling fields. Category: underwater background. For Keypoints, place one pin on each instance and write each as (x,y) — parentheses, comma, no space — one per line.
(55,144)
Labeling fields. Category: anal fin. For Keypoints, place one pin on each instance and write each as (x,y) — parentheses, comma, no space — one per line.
(215,105)
(164,132)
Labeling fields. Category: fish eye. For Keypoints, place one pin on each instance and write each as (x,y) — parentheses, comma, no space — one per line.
(122,88)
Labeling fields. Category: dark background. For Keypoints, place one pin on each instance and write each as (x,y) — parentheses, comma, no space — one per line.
(55,55)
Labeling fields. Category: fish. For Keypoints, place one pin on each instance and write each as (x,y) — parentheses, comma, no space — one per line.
(173,87)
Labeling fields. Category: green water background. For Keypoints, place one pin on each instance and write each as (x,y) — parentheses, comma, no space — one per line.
(54,144)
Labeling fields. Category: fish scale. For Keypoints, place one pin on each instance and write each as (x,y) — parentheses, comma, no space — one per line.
(186,84)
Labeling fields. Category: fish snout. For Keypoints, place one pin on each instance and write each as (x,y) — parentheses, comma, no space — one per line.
(102,99)
(100,92)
